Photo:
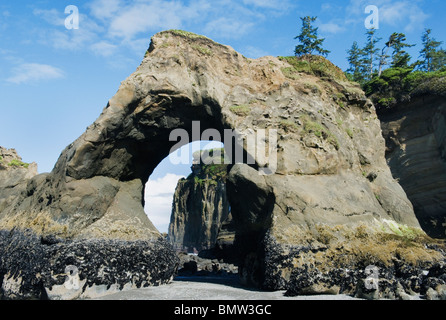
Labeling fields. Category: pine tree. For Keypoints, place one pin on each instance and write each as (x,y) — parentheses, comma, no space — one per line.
(309,40)
(383,59)
(439,59)
(356,69)
(429,53)
(400,57)
(370,53)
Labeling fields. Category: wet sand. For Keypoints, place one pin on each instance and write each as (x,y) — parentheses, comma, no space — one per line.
(210,288)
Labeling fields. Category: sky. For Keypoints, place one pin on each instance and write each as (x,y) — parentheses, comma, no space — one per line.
(58,73)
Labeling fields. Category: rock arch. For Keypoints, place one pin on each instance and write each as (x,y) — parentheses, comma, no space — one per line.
(331,183)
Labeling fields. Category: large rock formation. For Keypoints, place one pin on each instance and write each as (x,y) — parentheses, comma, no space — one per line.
(200,205)
(43,265)
(415,134)
(315,205)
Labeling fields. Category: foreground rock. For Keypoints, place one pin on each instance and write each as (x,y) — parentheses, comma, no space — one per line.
(36,267)
(318,198)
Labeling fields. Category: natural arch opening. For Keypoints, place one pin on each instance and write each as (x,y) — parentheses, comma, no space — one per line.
(188,204)
(110,164)
(160,188)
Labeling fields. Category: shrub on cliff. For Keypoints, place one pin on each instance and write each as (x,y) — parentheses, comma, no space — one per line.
(397,85)
(17,163)
(312,64)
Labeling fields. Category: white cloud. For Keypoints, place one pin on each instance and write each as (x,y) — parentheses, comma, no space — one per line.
(103,48)
(269,4)
(327,6)
(229,27)
(405,14)
(158,199)
(159,211)
(331,27)
(105,9)
(164,185)
(62,38)
(143,16)
(34,72)
(77,40)
(52,16)
(253,52)
(107,27)
(227,18)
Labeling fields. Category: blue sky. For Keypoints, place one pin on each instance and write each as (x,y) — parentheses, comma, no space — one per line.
(54,82)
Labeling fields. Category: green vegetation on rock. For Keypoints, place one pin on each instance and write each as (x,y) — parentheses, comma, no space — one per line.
(241,110)
(203,50)
(210,167)
(313,65)
(186,34)
(349,132)
(397,85)
(402,80)
(17,163)
(319,131)
(289,126)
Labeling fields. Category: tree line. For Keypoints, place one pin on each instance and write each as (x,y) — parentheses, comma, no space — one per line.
(369,62)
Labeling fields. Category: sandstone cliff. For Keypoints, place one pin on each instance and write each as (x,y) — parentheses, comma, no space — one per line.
(415,134)
(310,217)
(13,175)
(200,206)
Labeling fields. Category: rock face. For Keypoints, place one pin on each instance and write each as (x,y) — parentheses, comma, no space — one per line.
(13,174)
(314,195)
(200,206)
(415,136)
(39,267)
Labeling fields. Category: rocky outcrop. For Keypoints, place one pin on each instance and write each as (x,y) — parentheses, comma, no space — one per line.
(313,193)
(39,267)
(46,266)
(13,175)
(194,265)
(415,134)
(200,205)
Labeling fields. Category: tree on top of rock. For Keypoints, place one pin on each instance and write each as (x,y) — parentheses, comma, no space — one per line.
(356,70)
(308,38)
(433,58)
(371,53)
(400,57)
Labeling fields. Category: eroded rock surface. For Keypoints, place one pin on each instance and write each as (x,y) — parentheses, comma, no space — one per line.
(415,136)
(328,203)
(45,267)
(13,175)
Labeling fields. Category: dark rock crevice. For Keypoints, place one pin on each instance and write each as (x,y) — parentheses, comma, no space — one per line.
(415,133)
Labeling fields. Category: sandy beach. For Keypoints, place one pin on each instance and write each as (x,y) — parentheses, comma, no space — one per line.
(210,288)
